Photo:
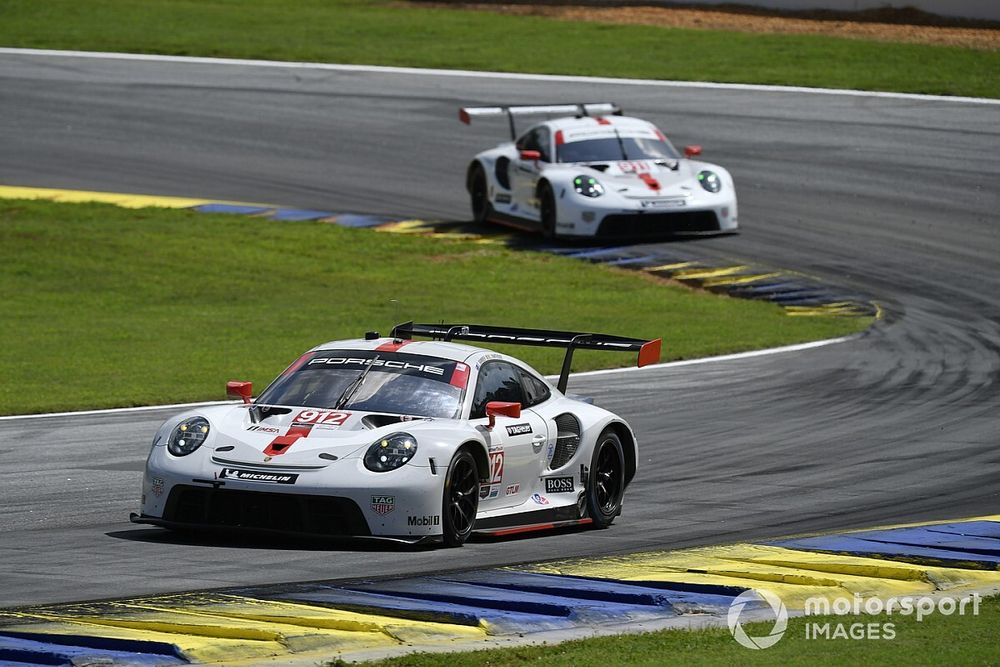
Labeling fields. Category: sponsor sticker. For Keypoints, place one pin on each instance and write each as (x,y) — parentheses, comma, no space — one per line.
(512,489)
(558,485)
(383,504)
(539,499)
(502,198)
(519,429)
(663,203)
(484,491)
(254,476)
(495,492)
(425,520)
(156,486)
(383,363)
(321,418)
(496,467)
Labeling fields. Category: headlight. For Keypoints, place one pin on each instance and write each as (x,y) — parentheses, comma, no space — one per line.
(710,181)
(188,436)
(391,452)
(588,186)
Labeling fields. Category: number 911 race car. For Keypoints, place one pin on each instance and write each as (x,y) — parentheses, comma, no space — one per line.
(596,174)
(414,441)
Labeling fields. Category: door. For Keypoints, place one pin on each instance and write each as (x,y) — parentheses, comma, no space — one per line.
(524,173)
(516,444)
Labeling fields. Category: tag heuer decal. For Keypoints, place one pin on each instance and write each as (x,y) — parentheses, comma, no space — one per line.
(383,504)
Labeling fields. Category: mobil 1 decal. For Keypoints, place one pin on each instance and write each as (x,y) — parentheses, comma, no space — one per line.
(558,485)
(519,429)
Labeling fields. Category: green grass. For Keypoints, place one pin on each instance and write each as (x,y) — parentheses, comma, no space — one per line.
(383,33)
(936,640)
(104,306)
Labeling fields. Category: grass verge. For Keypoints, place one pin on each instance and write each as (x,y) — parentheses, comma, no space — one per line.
(937,639)
(104,306)
(391,33)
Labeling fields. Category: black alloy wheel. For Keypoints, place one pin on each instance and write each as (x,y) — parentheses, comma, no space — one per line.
(479,195)
(547,209)
(461,499)
(606,485)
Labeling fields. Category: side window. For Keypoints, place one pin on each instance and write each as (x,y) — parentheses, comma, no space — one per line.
(536,140)
(498,381)
(535,391)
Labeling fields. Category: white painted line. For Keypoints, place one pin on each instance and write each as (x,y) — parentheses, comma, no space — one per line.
(409,71)
(670,364)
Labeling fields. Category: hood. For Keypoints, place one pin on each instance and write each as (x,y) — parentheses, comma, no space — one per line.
(286,436)
(645,179)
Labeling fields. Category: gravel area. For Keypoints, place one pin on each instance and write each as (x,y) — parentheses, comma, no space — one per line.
(895,27)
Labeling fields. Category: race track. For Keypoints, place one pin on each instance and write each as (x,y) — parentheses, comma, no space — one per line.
(895,197)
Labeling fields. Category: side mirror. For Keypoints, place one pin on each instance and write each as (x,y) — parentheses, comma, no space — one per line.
(494,408)
(531,155)
(692,151)
(237,389)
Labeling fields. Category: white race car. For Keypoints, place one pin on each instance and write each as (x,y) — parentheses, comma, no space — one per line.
(596,174)
(416,441)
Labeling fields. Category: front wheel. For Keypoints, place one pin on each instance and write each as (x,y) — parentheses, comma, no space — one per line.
(479,195)
(606,485)
(461,499)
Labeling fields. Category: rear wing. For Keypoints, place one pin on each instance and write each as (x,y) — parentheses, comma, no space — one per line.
(466,114)
(649,350)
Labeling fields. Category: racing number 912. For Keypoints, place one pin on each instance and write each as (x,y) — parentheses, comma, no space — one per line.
(496,467)
(322,417)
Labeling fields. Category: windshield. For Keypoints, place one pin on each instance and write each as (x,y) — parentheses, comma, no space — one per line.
(403,384)
(608,149)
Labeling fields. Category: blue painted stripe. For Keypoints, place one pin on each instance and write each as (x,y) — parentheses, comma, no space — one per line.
(356,220)
(235,209)
(297,214)
(857,546)
(51,649)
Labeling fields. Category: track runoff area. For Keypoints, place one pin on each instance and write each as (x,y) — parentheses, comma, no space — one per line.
(906,570)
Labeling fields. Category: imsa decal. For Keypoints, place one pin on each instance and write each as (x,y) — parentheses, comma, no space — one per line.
(559,485)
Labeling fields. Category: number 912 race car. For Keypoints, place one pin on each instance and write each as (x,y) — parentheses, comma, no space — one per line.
(596,174)
(395,438)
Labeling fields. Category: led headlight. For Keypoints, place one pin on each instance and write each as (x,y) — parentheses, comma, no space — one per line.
(710,181)
(391,452)
(188,436)
(588,186)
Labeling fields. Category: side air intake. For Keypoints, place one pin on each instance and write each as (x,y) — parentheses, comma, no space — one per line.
(567,440)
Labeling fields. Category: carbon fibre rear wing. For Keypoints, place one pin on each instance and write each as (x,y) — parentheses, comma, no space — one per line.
(649,350)
(465,114)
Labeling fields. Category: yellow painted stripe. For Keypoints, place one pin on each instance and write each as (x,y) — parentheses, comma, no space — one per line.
(119,199)
(668,267)
(406,227)
(699,274)
(739,280)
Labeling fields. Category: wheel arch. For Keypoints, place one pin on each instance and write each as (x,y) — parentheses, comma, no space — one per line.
(478,452)
(624,434)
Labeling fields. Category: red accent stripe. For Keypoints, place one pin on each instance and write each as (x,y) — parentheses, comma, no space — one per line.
(392,346)
(283,443)
(659,134)
(298,364)
(650,181)
(460,376)
(560,139)
(517,530)
(601,120)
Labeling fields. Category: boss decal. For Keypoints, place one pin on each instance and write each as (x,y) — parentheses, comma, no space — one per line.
(559,485)
(383,504)
(519,429)
(254,476)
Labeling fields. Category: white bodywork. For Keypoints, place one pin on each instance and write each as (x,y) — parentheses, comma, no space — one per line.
(405,503)
(641,196)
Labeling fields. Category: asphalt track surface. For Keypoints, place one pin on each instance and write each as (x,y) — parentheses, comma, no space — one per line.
(896,197)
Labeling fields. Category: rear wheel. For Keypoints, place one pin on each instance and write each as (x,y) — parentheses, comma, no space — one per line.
(547,209)
(479,194)
(461,499)
(606,485)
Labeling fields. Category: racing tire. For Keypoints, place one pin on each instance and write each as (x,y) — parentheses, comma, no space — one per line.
(461,499)
(479,195)
(606,483)
(547,210)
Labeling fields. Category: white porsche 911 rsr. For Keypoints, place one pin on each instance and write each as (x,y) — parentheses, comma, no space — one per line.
(417,441)
(596,174)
